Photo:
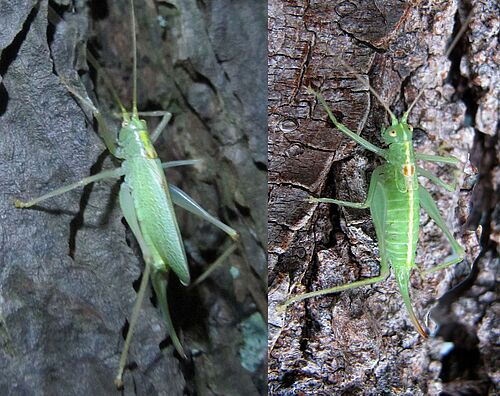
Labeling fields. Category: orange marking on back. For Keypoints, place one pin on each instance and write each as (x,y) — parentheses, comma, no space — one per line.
(408,170)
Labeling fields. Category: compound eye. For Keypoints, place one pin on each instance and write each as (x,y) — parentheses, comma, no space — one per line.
(392,133)
(410,127)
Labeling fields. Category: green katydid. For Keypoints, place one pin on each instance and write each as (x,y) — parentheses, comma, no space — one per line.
(146,200)
(394,199)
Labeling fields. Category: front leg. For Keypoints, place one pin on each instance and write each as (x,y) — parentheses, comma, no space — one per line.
(437,158)
(161,126)
(108,174)
(341,127)
(425,173)
(173,164)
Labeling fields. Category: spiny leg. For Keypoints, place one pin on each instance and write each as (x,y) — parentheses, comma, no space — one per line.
(154,113)
(5,338)
(183,200)
(128,209)
(212,267)
(384,273)
(173,164)
(425,173)
(161,126)
(357,205)
(437,158)
(427,202)
(358,139)
(114,173)
(377,203)
(160,283)
(133,321)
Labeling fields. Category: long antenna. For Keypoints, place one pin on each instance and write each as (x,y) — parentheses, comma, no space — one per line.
(452,46)
(134,49)
(107,81)
(54,18)
(358,77)
(459,35)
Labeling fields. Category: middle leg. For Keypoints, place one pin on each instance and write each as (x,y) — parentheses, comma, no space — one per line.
(430,207)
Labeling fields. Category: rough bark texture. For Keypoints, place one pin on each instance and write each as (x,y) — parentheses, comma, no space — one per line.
(69,267)
(361,341)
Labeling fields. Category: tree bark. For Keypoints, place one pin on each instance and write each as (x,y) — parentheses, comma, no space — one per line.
(69,267)
(361,341)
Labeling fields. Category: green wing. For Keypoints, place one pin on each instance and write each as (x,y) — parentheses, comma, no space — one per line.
(156,216)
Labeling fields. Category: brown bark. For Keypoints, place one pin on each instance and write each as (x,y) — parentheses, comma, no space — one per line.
(69,267)
(361,341)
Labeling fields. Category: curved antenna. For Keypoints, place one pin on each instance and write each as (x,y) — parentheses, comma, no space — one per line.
(459,35)
(107,81)
(134,49)
(407,112)
(54,18)
(452,46)
(358,77)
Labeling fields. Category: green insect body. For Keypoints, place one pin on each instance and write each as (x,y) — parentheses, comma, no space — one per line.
(398,187)
(146,183)
(146,200)
(395,198)
(147,206)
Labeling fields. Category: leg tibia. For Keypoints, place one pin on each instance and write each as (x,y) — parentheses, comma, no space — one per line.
(358,139)
(376,175)
(114,173)
(161,126)
(425,173)
(183,200)
(173,164)
(455,258)
(160,283)
(384,272)
(107,134)
(132,324)
(357,205)
(430,207)
(212,267)
(437,158)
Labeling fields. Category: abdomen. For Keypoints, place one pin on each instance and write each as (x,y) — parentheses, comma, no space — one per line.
(402,225)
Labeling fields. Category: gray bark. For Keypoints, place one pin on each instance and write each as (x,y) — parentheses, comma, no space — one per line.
(69,266)
(361,341)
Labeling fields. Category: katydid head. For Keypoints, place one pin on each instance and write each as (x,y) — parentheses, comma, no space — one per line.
(399,133)
(132,125)
(134,139)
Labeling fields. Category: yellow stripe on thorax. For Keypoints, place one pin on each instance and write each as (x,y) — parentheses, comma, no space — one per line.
(148,146)
(411,202)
